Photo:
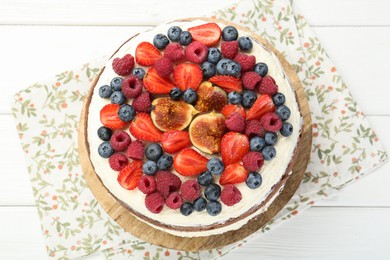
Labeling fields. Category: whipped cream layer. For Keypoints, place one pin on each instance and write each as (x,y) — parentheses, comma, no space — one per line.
(271,172)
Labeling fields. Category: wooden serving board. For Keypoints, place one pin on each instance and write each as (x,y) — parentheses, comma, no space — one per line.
(147,233)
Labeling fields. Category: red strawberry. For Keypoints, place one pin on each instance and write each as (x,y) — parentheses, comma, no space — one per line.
(129,176)
(143,128)
(146,54)
(175,140)
(109,117)
(123,66)
(263,104)
(231,108)
(227,83)
(156,84)
(208,34)
(233,174)
(189,162)
(229,49)
(233,147)
(187,75)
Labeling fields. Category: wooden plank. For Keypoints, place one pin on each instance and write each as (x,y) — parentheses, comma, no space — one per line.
(58,48)
(133,12)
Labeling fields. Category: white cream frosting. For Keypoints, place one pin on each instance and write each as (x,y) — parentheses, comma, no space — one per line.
(271,172)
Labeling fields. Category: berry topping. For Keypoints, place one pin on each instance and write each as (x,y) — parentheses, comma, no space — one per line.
(104,133)
(278,99)
(185,38)
(160,41)
(174,33)
(146,54)
(230,195)
(214,55)
(167,182)
(214,208)
(142,103)
(123,66)
(269,152)
(132,86)
(105,149)
(150,167)
(174,52)
(165,162)
(200,204)
(245,43)
(187,208)
(227,83)
(287,129)
(228,67)
(253,161)
(235,122)
(129,176)
(116,83)
(120,140)
(229,33)
(147,184)
(164,67)
(283,112)
(250,80)
(271,122)
(268,86)
(230,109)
(229,49)
(105,91)
(156,84)
(190,190)
(118,161)
(261,69)
(208,69)
(233,147)
(246,61)
(153,151)
(154,202)
(196,52)
(254,128)
(205,178)
(135,150)
(139,72)
(253,180)
(189,162)
(249,97)
(126,113)
(109,117)
(212,192)
(215,166)
(233,174)
(117,97)
(208,34)
(262,106)
(175,94)
(257,144)
(143,128)
(190,96)
(235,98)
(270,138)
(187,75)
(175,140)
(174,200)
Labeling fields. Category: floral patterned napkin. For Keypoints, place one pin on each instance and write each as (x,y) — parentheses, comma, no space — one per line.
(344,148)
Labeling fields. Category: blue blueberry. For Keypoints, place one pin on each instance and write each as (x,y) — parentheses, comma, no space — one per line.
(261,68)
(214,55)
(105,149)
(245,43)
(105,91)
(228,67)
(278,99)
(160,41)
(212,192)
(208,69)
(269,152)
(235,97)
(270,138)
(187,208)
(283,112)
(200,204)
(248,98)
(116,83)
(287,129)
(257,144)
(253,180)
(165,162)
(149,167)
(214,208)
(185,38)
(126,113)
(229,33)
(174,33)
(215,166)
(104,133)
(190,96)
(153,151)
(117,97)
(175,93)
(205,178)
(139,72)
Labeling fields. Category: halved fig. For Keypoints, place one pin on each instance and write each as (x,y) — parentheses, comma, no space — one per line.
(171,115)
(210,97)
(206,132)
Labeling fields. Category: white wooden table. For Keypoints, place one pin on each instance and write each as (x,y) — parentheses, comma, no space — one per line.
(43,37)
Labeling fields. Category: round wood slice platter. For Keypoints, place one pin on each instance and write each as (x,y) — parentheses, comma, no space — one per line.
(147,233)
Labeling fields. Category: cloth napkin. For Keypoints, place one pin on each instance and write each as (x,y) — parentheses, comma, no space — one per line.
(344,148)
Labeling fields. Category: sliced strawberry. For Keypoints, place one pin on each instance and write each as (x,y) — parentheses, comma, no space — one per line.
(143,128)
(189,162)
(228,83)
(231,108)
(129,176)
(187,75)
(208,34)
(175,140)
(109,117)
(233,174)
(156,84)
(233,147)
(263,105)
(146,54)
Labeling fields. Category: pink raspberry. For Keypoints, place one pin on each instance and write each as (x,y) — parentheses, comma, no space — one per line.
(271,122)
(251,80)
(167,182)
(120,140)
(229,49)
(147,184)
(230,195)
(118,161)
(135,150)
(253,161)
(196,52)
(154,202)
(254,128)
(174,52)
(246,61)
(132,86)
(164,67)
(123,66)
(235,122)
(268,86)
(190,190)
(174,200)
(142,103)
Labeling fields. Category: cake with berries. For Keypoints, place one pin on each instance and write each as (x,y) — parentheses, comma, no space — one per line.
(193,127)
